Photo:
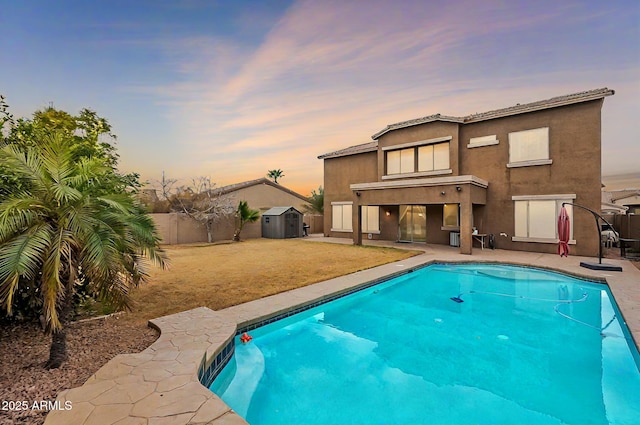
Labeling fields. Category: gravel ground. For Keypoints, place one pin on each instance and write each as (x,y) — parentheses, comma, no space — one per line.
(24,348)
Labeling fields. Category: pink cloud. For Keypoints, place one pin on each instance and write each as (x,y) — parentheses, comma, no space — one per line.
(330,74)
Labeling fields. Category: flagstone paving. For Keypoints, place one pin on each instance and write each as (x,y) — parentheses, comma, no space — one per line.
(160,385)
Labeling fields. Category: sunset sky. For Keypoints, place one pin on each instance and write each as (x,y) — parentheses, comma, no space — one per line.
(231,89)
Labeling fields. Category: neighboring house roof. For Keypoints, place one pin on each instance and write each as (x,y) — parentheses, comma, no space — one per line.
(622,194)
(224,190)
(609,208)
(279,210)
(352,150)
(554,102)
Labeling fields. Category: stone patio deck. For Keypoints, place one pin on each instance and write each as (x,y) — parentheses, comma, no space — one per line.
(160,385)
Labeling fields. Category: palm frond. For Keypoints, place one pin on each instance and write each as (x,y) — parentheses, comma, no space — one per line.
(64,194)
(25,164)
(67,221)
(17,213)
(22,256)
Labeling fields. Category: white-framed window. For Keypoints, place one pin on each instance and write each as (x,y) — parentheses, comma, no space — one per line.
(341,220)
(536,217)
(431,157)
(529,147)
(451,215)
(476,142)
(370,219)
(401,161)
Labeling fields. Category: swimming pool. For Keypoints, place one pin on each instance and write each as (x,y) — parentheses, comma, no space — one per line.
(523,346)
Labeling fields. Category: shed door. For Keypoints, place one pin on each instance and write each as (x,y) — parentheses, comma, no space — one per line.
(291,225)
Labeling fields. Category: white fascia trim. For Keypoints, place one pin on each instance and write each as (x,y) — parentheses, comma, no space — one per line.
(543,197)
(529,163)
(342,203)
(539,240)
(418,174)
(435,181)
(489,143)
(418,143)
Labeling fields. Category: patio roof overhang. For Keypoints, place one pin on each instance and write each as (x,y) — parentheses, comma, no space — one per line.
(428,182)
(438,190)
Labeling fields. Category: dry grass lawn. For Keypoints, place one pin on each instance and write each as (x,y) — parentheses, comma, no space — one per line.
(219,276)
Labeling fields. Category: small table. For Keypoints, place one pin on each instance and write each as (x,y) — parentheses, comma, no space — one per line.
(480,238)
(627,243)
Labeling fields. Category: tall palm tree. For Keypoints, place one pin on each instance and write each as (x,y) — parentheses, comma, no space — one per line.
(275,174)
(244,215)
(66,227)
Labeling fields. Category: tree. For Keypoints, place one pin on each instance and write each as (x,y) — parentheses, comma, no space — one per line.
(67,226)
(317,202)
(8,182)
(244,215)
(275,174)
(201,201)
(88,134)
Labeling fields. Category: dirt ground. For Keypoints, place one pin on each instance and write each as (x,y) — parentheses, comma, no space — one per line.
(24,348)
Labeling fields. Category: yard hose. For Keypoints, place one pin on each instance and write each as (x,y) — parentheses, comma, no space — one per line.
(584,297)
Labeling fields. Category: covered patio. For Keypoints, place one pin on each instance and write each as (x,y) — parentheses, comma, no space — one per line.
(398,199)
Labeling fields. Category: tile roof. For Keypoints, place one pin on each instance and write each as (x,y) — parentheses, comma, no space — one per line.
(416,121)
(237,186)
(352,150)
(554,102)
(621,194)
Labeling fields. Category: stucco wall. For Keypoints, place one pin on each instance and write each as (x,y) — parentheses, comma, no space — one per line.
(177,228)
(574,148)
(339,173)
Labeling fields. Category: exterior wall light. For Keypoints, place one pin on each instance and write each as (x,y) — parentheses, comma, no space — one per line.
(458,188)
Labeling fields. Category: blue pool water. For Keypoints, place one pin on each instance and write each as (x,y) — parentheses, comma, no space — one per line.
(525,346)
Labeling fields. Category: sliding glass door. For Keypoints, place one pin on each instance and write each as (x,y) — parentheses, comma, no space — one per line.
(413,223)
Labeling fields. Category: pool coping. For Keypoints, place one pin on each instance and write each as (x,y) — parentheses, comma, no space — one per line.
(162,384)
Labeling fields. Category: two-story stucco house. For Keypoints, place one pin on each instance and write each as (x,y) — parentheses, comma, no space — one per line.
(506,172)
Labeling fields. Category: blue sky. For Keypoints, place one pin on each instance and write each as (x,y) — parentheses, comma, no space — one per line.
(231,89)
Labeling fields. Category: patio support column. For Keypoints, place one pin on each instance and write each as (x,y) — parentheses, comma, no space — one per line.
(466,220)
(357,220)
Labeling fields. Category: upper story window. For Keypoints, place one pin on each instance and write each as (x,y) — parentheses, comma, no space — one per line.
(401,161)
(529,147)
(428,157)
(433,157)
